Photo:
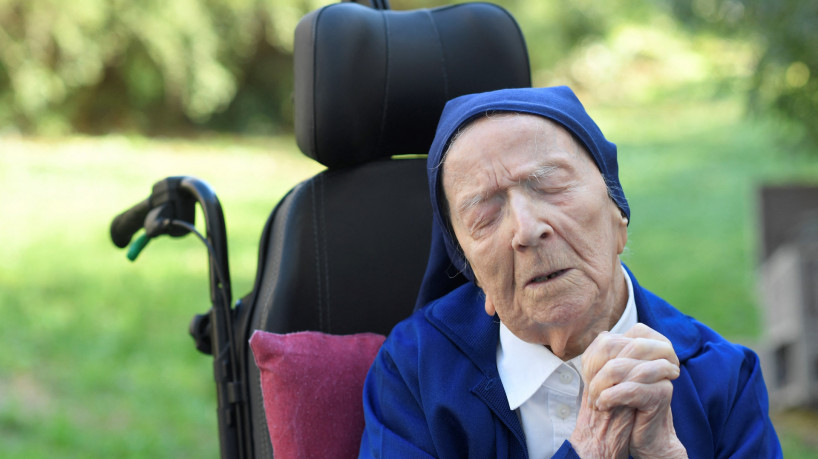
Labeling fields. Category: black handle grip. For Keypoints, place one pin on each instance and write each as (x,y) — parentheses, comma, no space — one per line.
(126,224)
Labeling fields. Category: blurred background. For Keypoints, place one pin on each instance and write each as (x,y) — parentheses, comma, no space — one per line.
(708,101)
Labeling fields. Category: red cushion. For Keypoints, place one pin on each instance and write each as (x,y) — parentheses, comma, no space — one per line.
(312,385)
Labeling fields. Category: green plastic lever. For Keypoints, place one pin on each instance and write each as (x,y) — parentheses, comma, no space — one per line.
(136,247)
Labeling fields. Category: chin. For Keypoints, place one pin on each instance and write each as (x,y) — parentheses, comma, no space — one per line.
(562,314)
(562,303)
(542,318)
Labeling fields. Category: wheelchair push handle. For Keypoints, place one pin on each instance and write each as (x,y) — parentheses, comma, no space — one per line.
(170,210)
(168,205)
(126,224)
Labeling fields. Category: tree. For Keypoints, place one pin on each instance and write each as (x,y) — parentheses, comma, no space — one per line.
(786,72)
(148,65)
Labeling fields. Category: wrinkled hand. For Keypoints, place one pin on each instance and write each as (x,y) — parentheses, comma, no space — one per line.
(628,380)
(602,434)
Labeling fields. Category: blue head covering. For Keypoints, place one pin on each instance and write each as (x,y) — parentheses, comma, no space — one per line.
(558,104)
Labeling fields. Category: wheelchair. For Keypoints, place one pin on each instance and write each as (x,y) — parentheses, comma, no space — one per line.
(345,251)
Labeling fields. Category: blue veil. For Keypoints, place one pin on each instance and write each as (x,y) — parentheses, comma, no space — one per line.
(447,268)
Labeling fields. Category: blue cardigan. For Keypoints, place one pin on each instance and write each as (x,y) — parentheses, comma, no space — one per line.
(434,390)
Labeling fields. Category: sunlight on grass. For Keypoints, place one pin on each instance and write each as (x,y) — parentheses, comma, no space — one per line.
(98,361)
(691,173)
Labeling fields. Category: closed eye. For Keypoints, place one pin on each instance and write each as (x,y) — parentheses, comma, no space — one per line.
(483,216)
(550,179)
(543,172)
(550,189)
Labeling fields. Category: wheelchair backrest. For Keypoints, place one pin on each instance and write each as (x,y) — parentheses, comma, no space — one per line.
(345,251)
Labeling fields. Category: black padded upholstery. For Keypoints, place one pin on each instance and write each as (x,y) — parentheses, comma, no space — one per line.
(345,251)
(349,258)
(371,84)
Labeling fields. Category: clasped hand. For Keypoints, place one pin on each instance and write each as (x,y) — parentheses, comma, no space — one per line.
(626,401)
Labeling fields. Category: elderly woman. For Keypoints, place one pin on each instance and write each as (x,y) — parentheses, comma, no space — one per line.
(551,348)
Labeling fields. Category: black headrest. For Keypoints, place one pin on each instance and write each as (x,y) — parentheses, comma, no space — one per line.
(371,83)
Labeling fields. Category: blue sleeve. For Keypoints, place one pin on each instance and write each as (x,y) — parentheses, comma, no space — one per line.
(747,430)
(566,451)
(395,428)
(720,405)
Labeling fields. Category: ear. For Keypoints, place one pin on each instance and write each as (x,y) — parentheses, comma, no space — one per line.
(621,232)
(619,225)
(490,310)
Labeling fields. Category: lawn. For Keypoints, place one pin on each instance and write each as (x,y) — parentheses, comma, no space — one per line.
(97,361)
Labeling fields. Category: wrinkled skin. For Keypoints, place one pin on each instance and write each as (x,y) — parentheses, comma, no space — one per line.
(532,215)
(626,404)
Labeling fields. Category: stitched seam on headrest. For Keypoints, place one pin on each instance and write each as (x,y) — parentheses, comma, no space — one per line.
(384,105)
(313,132)
(316,209)
(445,68)
(325,253)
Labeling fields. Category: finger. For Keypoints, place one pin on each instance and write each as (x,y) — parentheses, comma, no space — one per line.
(602,349)
(612,373)
(641,330)
(641,397)
(608,346)
(620,370)
(649,349)
(640,342)
(653,371)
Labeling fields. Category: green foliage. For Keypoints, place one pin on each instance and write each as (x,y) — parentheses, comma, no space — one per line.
(555,30)
(786,70)
(148,66)
(103,64)
(162,67)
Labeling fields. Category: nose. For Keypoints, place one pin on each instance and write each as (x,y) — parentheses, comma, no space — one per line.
(529,223)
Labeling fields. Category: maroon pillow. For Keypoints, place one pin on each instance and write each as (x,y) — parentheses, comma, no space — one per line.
(312,385)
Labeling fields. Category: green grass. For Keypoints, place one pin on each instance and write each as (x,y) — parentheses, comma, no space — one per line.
(96,360)
(692,174)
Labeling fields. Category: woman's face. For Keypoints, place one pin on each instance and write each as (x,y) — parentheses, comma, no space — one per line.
(531,212)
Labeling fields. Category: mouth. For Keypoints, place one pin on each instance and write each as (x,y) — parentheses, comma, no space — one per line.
(548,277)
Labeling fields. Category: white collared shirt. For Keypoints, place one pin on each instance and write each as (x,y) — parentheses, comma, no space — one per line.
(546,392)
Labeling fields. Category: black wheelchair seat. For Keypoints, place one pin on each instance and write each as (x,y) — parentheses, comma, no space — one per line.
(344,251)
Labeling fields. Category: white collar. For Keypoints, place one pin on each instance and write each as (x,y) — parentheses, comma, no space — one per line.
(525,366)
